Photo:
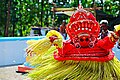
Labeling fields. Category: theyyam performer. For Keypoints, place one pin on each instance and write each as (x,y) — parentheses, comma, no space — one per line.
(82,57)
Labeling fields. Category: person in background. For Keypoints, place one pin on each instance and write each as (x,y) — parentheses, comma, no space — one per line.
(118,46)
(104,29)
(63,29)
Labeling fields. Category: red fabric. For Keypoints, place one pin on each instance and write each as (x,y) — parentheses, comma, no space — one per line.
(105,43)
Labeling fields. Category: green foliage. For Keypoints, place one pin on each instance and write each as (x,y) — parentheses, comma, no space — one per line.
(112,7)
(27,13)
(2,17)
(24,14)
(109,6)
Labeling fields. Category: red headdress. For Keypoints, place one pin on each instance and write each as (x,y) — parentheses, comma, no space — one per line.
(82,21)
(83,30)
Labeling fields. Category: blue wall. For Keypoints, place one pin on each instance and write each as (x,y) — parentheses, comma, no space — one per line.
(116,51)
(12,49)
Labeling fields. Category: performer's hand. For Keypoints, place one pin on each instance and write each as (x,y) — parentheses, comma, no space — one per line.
(55,38)
(52,38)
(117,30)
(118,33)
(113,36)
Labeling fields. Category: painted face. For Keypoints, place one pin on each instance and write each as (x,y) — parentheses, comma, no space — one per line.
(82,40)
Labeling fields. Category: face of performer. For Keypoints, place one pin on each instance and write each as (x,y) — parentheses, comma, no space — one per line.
(104,27)
(63,23)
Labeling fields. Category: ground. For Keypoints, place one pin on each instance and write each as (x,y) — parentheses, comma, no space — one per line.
(9,73)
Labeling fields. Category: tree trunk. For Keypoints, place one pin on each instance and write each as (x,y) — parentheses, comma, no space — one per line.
(47,24)
(42,2)
(8,19)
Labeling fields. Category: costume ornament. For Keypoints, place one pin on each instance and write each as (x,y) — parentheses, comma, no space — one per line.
(82,57)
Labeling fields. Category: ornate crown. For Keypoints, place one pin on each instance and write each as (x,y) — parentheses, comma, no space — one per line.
(82,21)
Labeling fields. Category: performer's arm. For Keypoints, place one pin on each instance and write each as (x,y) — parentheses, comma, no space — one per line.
(109,41)
(106,43)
